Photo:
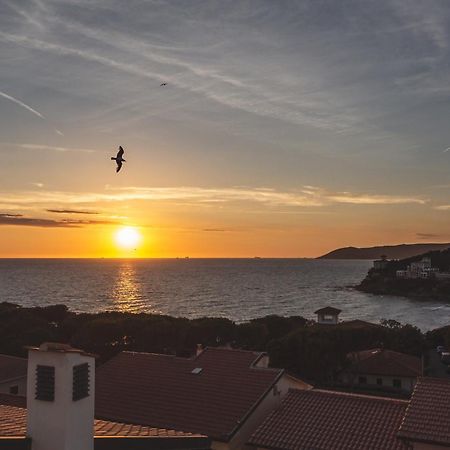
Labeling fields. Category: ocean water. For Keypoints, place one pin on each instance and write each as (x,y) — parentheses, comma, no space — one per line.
(239,289)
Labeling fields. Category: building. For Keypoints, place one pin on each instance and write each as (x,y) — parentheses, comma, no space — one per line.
(221,393)
(381,369)
(318,419)
(58,413)
(380,264)
(13,375)
(327,315)
(419,269)
(426,425)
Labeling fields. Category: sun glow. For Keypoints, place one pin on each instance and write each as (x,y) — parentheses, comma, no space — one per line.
(128,238)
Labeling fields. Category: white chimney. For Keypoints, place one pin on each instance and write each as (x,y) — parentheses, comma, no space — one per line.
(60,398)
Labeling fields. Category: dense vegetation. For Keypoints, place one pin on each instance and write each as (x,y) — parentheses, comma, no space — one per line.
(314,352)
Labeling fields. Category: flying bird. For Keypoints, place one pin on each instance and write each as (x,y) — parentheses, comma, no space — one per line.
(119,158)
(163,84)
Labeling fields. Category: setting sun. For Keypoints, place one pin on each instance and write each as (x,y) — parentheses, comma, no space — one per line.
(127,238)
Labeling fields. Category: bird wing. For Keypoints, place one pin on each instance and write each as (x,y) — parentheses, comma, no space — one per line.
(119,166)
(120,152)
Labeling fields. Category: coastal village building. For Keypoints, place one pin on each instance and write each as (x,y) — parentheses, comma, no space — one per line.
(426,425)
(319,419)
(419,269)
(327,315)
(13,375)
(381,264)
(222,393)
(381,369)
(58,413)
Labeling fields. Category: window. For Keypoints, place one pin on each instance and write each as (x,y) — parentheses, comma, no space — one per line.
(380,381)
(362,380)
(45,383)
(397,383)
(80,382)
(14,390)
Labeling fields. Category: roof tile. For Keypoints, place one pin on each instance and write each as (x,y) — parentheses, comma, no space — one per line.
(319,419)
(162,391)
(428,415)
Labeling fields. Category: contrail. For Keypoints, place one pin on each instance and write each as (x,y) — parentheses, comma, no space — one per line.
(24,105)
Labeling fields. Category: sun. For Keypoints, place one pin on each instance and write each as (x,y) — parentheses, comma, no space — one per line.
(128,238)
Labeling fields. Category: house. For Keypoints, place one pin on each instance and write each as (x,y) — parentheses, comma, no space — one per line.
(58,413)
(221,393)
(426,425)
(419,269)
(382,369)
(380,264)
(327,315)
(13,375)
(319,419)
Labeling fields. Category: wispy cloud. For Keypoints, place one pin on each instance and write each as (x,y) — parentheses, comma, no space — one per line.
(48,147)
(442,207)
(428,235)
(309,197)
(20,220)
(22,104)
(71,211)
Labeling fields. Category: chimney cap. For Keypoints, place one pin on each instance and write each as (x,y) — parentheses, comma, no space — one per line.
(58,347)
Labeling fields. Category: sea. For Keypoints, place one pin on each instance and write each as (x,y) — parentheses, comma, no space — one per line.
(238,289)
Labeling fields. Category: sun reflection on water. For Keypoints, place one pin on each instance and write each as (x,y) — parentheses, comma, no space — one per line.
(127,291)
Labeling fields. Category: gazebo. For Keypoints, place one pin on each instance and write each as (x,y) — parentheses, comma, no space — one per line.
(327,315)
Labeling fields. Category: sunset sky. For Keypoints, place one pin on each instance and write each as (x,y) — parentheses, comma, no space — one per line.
(286,129)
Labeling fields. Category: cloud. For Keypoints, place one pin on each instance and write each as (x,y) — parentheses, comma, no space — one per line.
(214,230)
(19,220)
(48,147)
(442,207)
(428,235)
(22,104)
(71,211)
(308,197)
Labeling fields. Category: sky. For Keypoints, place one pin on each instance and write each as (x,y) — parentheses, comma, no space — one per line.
(286,128)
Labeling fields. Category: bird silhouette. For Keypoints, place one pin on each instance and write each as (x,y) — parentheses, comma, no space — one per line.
(119,158)
(163,84)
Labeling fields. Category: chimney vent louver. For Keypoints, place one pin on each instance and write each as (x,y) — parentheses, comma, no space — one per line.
(80,388)
(45,383)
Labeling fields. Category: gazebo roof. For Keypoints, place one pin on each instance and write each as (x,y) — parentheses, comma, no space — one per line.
(328,310)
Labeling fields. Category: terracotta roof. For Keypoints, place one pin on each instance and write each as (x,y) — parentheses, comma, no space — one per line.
(319,419)
(428,415)
(328,310)
(379,361)
(13,422)
(165,391)
(12,367)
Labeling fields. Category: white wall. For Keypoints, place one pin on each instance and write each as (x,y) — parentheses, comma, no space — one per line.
(62,424)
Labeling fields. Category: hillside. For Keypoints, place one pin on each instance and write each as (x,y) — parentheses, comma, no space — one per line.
(391,251)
